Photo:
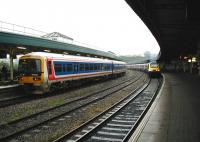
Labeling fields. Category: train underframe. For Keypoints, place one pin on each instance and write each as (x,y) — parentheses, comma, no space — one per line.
(31,88)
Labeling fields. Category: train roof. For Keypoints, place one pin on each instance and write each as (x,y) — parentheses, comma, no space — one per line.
(70,57)
(118,62)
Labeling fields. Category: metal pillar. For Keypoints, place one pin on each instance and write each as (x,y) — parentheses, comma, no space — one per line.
(11,64)
(191,66)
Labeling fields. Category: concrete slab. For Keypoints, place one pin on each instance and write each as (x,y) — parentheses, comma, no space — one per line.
(175,114)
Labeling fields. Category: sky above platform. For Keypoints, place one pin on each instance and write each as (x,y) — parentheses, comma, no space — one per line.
(108,25)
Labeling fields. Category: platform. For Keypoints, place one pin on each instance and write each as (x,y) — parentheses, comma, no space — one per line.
(175,114)
(4,85)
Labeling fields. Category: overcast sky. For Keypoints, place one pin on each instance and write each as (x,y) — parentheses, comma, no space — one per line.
(108,25)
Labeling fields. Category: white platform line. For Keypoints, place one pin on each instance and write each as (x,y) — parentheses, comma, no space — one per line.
(106,139)
(111,133)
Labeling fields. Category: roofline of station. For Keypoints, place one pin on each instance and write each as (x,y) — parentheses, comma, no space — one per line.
(27,41)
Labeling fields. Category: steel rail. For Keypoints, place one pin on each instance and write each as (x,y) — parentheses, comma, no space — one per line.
(135,92)
(23,98)
(58,116)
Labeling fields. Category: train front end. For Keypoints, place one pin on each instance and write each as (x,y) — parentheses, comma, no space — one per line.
(32,74)
(154,70)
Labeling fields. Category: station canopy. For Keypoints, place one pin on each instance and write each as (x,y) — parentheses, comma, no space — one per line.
(53,42)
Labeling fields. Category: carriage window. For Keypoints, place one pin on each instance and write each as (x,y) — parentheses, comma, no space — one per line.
(58,67)
(98,67)
(69,67)
(95,67)
(82,68)
(91,67)
(108,67)
(75,67)
(86,67)
(103,66)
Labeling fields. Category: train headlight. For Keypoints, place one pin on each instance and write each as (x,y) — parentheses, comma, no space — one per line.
(36,78)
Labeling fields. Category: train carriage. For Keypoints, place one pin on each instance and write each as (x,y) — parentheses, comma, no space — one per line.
(42,72)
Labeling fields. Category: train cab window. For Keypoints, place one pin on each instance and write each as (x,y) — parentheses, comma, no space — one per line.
(49,67)
(29,66)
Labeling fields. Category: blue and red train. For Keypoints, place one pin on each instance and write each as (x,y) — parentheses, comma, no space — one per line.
(42,72)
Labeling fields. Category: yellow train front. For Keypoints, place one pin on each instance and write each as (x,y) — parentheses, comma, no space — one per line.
(33,74)
(154,69)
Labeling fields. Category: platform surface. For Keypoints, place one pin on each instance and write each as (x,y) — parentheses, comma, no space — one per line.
(175,116)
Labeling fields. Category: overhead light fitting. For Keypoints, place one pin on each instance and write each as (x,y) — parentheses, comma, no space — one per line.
(65,53)
(47,50)
(20,47)
(194,59)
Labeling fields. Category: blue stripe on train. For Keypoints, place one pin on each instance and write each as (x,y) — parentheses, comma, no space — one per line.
(59,67)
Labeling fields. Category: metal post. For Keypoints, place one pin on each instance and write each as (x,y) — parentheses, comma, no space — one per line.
(11,64)
(191,66)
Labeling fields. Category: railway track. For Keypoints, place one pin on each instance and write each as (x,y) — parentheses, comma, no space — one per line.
(5,102)
(8,99)
(118,122)
(58,112)
(9,89)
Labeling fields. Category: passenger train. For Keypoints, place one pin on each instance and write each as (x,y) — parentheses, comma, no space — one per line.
(140,67)
(42,72)
(152,68)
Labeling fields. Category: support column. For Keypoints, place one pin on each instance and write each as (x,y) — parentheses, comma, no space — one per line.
(191,66)
(184,66)
(11,64)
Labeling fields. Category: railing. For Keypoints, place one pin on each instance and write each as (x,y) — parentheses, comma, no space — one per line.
(8,27)
(13,28)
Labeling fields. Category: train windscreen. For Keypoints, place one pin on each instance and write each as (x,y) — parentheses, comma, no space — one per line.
(29,66)
(154,65)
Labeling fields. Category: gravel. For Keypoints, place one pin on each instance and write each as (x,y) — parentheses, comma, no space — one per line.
(50,133)
(77,118)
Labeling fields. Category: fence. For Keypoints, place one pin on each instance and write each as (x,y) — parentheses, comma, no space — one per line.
(13,28)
